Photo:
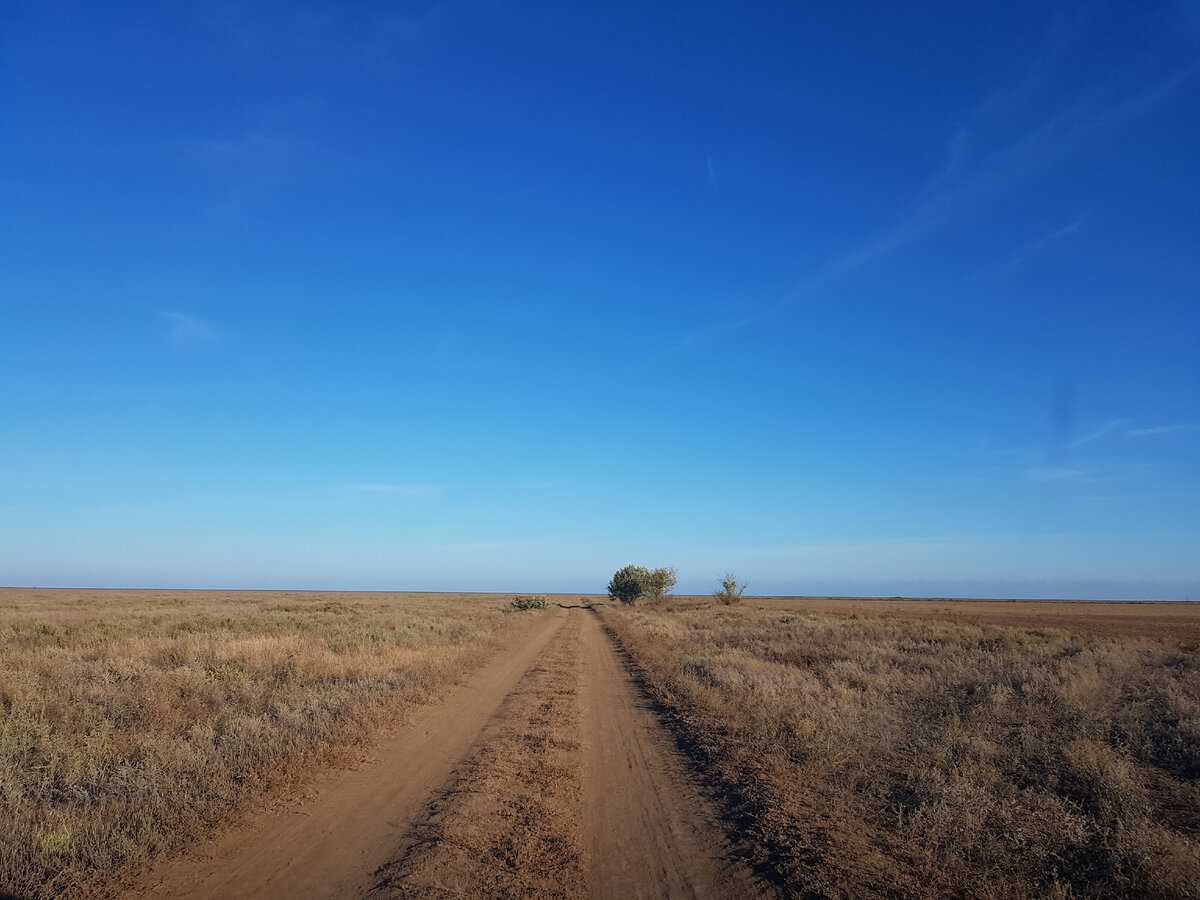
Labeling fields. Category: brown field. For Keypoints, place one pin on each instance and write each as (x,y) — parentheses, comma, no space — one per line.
(213,744)
(1174,621)
(134,720)
(883,748)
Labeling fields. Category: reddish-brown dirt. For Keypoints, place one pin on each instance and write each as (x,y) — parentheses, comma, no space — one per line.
(545,775)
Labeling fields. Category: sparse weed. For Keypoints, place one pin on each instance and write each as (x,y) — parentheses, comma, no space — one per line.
(528,603)
(884,755)
(730,592)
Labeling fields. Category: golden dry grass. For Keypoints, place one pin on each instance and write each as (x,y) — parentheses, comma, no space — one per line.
(902,749)
(131,721)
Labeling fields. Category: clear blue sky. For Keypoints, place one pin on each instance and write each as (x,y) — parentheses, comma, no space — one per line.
(485,295)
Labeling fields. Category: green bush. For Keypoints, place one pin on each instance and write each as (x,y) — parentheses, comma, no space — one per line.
(528,603)
(633,583)
(627,583)
(660,583)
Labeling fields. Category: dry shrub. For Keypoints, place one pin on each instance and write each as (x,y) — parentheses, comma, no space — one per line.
(131,721)
(526,603)
(867,756)
(730,592)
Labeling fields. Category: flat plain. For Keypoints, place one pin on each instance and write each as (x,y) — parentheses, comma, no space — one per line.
(881,748)
(216,744)
(135,721)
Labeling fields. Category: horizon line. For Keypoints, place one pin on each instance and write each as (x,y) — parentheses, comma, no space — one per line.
(952,598)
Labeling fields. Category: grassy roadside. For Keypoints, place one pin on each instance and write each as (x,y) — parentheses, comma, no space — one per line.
(131,722)
(881,757)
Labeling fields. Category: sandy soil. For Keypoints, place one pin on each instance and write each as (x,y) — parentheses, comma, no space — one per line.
(545,775)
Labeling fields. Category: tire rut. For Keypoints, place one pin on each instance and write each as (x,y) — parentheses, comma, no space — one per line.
(507,823)
(651,830)
(326,842)
(548,776)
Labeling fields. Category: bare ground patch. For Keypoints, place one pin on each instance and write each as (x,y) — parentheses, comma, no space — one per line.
(507,825)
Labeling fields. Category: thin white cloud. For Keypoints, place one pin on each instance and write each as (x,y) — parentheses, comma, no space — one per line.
(258,151)
(956,155)
(1097,433)
(358,33)
(188,331)
(697,336)
(243,170)
(1032,151)
(1046,474)
(968,178)
(712,174)
(1041,244)
(1157,430)
(255,161)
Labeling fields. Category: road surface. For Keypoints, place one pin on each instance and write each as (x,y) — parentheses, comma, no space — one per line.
(546,774)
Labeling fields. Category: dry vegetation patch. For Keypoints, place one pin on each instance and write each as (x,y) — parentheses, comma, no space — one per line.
(892,756)
(131,721)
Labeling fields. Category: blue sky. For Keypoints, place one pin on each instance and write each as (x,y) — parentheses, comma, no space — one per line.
(485,295)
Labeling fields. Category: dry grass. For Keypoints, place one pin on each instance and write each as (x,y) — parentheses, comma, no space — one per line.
(912,750)
(132,721)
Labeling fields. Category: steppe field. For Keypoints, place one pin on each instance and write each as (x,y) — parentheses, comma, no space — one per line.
(196,744)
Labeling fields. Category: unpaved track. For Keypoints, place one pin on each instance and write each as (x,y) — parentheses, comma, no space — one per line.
(330,845)
(650,831)
(546,775)
(507,824)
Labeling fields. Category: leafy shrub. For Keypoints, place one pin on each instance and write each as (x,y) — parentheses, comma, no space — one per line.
(528,603)
(730,591)
(633,583)
(660,583)
(628,583)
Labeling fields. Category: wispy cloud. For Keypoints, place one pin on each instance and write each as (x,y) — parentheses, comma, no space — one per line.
(956,155)
(980,166)
(254,165)
(963,185)
(187,331)
(1041,244)
(244,171)
(1157,430)
(698,336)
(395,489)
(260,152)
(358,33)
(1097,433)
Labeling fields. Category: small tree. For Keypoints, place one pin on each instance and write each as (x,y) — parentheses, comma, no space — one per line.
(659,583)
(628,583)
(730,591)
(633,583)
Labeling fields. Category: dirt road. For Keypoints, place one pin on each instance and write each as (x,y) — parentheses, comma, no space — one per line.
(545,775)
